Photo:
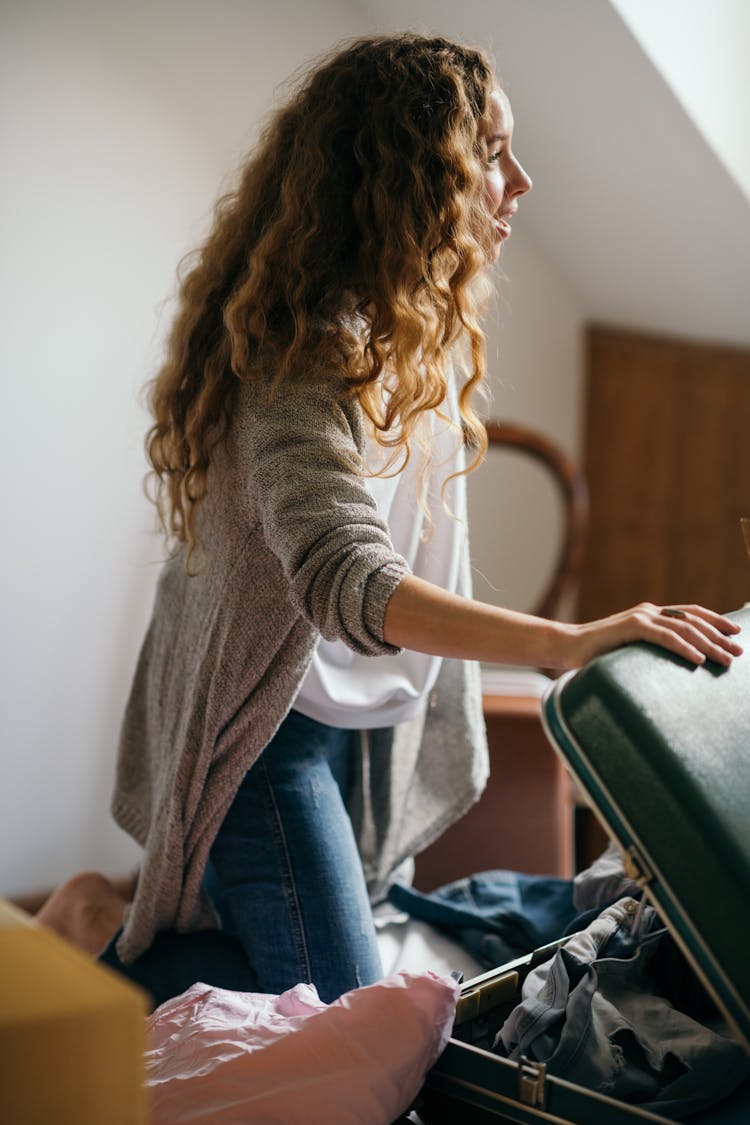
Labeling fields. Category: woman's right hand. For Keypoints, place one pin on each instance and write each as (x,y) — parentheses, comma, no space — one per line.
(691,631)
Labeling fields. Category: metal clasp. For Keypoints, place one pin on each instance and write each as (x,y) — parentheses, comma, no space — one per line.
(532,1082)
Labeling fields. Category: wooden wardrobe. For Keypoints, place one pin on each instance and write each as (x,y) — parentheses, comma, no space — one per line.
(667,459)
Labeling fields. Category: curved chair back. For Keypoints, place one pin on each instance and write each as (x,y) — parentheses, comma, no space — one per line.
(571,485)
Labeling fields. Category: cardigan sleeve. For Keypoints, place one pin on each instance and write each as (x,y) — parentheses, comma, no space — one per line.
(299,455)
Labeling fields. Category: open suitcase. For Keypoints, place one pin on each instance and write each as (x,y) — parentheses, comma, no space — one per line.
(662,751)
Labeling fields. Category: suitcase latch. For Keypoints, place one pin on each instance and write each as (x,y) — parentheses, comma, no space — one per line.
(638,870)
(532,1082)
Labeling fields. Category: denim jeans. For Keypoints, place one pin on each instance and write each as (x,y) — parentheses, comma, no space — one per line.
(286,880)
(496,915)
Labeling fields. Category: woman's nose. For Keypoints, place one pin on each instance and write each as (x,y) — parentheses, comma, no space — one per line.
(521,182)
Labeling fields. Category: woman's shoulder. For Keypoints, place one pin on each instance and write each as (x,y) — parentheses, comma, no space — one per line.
(317,399)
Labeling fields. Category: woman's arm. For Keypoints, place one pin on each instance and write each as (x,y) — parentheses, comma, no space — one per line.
(298,452)
(423,617)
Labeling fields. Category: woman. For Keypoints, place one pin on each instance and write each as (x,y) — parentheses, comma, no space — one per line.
(303,715)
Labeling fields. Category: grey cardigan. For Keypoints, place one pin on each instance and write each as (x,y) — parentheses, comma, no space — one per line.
(293,548)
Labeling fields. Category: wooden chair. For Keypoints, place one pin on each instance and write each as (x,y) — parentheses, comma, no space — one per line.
(524,820)
(571,487)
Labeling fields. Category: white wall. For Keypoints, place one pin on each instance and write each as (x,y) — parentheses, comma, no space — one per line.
(120,122)
(701,50)
(535,339)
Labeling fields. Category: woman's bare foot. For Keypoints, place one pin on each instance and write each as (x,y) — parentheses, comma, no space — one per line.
(86,910)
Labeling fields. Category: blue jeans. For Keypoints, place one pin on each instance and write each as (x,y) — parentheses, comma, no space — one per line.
(496,915)
(286,879)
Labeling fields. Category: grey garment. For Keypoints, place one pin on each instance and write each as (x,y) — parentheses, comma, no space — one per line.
(603,882)
(593,1014)
(293,548)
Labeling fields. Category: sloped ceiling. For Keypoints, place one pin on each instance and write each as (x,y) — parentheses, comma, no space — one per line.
(630,202)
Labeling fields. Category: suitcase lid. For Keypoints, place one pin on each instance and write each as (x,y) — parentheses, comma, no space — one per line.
(662,750)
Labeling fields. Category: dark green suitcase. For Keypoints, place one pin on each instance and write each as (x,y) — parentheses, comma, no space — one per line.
(662,751)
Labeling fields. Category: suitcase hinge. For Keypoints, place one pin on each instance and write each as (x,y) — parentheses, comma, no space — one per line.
(532,1082)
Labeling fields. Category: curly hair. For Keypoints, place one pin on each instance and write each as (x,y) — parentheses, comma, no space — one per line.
(354,238)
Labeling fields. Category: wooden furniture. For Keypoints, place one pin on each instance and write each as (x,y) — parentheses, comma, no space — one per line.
(573,493)
(668,464)
(524,820)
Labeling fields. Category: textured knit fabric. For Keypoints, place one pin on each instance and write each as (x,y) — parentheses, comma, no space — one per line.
(293,547)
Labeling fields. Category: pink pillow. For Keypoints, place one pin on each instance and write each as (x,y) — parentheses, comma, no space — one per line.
(215,1057)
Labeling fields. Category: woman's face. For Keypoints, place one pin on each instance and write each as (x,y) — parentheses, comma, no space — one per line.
(504,179)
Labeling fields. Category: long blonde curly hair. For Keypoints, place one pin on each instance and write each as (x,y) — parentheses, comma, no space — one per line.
(355,237)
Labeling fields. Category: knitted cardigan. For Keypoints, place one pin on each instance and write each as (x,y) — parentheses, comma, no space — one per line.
(293,547)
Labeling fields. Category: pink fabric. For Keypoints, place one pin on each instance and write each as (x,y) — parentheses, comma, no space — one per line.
(215,1057)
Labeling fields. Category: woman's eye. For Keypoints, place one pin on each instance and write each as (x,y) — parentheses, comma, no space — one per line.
(494,156)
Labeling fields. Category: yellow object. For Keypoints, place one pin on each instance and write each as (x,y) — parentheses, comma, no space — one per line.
(71,1033)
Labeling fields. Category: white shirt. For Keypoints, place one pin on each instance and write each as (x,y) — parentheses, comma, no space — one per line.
(346,689)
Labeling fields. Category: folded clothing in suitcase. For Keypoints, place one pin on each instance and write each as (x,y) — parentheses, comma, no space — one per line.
(661,749)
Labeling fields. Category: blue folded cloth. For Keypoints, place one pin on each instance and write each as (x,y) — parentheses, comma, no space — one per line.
(495,915)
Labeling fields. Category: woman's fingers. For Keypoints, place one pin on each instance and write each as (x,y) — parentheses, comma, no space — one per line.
(690,631)
(722,624)
(708,634)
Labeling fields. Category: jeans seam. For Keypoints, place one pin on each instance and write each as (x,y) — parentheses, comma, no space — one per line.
(290,885)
